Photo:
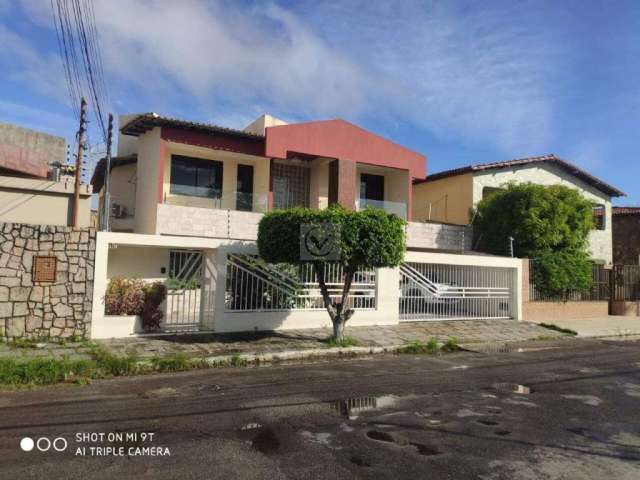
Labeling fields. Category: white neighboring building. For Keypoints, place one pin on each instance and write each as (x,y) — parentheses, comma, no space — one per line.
(449,196)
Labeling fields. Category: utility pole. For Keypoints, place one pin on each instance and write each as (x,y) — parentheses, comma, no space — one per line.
(511,239)
(107,178)
(81,132)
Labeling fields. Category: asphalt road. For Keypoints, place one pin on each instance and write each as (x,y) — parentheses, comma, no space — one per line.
(576,415)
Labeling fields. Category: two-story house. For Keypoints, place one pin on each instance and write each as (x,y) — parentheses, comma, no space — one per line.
(187,197)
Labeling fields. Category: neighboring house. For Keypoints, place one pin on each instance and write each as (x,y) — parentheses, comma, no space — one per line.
(626,235)
(450,196)
(35,185)
(187,198)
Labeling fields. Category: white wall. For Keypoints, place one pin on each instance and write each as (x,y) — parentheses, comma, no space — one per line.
(600,241)
(149,152)
(129,258)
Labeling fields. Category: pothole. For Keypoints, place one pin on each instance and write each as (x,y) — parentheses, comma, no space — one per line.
(489,423)
(425,449)
(266,441)
(359,461)
(501,433)
(380,436)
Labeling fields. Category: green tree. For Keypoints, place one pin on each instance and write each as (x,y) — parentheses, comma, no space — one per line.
(548,223)
(360,240)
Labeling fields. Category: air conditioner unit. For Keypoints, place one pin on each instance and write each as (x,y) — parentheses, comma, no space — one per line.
(118,211)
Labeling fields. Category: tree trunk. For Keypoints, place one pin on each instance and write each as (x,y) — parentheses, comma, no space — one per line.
(338,312)
(338,329)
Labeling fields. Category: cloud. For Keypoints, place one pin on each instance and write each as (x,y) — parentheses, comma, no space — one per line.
(477,73)
(213,52)
(472,74)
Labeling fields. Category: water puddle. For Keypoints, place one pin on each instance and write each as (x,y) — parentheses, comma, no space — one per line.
(352,407)
(512,388)
(359,461)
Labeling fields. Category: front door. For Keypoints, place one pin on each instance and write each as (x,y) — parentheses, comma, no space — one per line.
(244,188)
(371,189)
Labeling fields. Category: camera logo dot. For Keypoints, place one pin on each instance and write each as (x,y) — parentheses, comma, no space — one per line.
(26,444)
(43,444)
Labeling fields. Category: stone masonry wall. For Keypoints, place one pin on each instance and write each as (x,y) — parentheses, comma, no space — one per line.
(58,309)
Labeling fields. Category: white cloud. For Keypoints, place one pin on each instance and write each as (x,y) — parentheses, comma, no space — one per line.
(221,53)
(473,74)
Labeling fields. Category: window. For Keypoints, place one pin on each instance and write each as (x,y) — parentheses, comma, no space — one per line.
(599,217)
(291,185)
(196,177)
(371,187)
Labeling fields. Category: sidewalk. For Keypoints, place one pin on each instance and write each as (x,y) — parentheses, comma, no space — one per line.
(312,341)
(258,343)
(609,326)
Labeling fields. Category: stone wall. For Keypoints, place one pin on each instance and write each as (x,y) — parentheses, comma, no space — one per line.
(61,308)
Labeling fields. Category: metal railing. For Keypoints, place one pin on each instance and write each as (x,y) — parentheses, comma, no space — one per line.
(431,291)
(600,289)
(254,285)
(626,283)
(397,208)
(241,201)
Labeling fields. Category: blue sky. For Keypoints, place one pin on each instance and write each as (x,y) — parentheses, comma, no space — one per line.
(460,81)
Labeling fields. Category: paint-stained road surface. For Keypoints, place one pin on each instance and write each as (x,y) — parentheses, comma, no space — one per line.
(570,413)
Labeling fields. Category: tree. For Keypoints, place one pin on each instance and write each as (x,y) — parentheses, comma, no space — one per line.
(360,240)
(550,224)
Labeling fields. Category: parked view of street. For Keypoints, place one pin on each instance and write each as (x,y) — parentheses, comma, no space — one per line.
(551,410)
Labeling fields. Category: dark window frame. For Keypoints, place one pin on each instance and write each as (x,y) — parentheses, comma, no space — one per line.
(205,170)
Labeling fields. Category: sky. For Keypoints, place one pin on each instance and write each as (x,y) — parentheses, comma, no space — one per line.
(461,82)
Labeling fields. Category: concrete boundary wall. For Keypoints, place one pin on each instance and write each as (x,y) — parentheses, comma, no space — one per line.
(219,320)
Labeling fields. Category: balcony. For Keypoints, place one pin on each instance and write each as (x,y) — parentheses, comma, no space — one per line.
(397,208)
(239,201)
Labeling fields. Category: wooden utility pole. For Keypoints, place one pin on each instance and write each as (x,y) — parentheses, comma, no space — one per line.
(81,132)
(107,177)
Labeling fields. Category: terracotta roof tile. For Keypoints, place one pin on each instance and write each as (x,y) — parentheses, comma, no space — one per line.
(563,164)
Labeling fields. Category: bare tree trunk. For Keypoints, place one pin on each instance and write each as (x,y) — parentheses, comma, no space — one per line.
(338,312)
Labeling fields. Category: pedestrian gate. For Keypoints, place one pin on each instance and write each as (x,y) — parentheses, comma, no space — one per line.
(186,299)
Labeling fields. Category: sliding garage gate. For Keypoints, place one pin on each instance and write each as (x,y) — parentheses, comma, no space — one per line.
(433,291)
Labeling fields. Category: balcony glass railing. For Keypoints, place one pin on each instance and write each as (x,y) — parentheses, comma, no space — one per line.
(397,208)
(245,202)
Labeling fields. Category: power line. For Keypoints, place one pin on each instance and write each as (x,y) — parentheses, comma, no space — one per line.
(79,50)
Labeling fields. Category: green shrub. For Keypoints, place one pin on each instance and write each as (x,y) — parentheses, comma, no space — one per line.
(172,363)
(557,274)
(549,224)
(418,346)
(451,345)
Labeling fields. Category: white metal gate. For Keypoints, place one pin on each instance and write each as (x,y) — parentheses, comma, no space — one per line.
(184,291)
(433,291)
(252,285)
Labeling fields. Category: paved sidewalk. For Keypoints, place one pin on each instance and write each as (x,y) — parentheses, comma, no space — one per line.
(210,345)
(609,326)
